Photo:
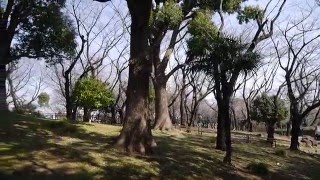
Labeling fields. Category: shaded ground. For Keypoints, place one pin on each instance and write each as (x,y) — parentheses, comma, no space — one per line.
(42,149)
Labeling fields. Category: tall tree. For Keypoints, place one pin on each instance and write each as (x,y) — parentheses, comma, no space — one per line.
(171,20)
(33,29)
(223,59)
(297,53)
(136,133)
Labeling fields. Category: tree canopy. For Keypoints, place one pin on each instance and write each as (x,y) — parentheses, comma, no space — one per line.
(93,93)
(40,29)
(269,109)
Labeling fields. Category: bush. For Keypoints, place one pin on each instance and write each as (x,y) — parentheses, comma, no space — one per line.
(281,153)
(258,168)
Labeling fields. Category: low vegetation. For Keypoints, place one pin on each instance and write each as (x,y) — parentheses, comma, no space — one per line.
(36,149)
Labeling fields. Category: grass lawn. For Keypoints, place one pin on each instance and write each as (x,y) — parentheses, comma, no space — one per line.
(43,149)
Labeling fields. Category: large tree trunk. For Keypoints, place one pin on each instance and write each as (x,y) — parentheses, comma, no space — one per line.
(86,114)
(68,98)
(3,93)
(162,120)
(227,128)
(220,143)
(295,131)
(136,133)
(270,131)
(5,43)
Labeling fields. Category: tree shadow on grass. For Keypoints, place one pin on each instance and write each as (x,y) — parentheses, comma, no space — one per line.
(36,150)
(190,157)
(22,142)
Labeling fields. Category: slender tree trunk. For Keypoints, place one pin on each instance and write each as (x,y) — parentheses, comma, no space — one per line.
(74,114)
(288,128)
(3,93)
(11,90)
(121,114)
(162,120)
(136,133)
(183,120)
(113,115)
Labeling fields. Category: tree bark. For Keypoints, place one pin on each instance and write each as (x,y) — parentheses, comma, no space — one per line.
(136,133)
(227,128)
(3,93)
(162,120)
(68,98)
(86,114)
(113,115)
(74,114)
(295,131)
(4,60)
(220,143)
(270,131)
(288,128)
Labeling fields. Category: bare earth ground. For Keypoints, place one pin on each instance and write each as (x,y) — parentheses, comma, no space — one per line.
(42,149)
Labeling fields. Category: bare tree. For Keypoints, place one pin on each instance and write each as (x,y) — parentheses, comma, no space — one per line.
(23,87)
(94,47)
(297,51)
(200,87)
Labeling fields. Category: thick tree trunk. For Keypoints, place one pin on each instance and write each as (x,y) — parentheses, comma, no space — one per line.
(270,131)
(162,120)
(136,133)
(68,98)
(5,43)
(220,143)
(3,93)
(86,114)
(295,132)
(69,110)
(227,128)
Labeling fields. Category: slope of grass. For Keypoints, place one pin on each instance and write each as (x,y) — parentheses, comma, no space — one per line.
(42,149)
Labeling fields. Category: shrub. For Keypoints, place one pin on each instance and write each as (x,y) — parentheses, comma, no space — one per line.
(281,153)
(258,168)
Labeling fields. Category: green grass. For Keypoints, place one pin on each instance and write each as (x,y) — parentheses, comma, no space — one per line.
(43,149)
